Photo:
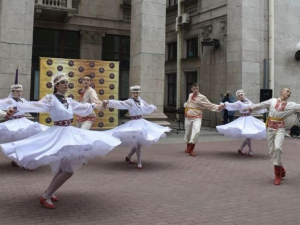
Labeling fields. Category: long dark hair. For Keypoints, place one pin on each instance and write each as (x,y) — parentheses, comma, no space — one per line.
(55,89)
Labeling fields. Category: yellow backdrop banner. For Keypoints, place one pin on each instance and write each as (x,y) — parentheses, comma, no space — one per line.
(104,78)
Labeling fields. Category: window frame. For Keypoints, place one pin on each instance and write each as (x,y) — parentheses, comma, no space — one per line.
(195,47)
(174,85)
(175,2)
(174,45)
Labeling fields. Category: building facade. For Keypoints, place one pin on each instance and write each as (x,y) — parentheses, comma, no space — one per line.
(100,30)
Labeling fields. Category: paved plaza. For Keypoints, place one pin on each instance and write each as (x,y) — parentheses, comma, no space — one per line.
(218,187)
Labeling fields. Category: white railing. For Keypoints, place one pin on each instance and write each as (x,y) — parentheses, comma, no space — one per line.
(55,3)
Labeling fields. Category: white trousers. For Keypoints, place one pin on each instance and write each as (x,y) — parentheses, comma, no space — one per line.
(192,130)
(275,141)
(86,125)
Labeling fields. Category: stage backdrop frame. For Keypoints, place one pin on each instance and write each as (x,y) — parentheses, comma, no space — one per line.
(105,80)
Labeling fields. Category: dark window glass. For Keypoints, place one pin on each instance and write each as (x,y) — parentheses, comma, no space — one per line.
(172,89)
(172,51)
(173,2)
(192,47)
(55,44)
(191,77)
(117,48)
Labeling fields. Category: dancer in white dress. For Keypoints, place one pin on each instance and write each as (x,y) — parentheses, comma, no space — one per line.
(138,131)
(17,127)
(63,147)
(245,126)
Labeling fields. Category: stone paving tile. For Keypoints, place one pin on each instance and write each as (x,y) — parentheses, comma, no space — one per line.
(217,187)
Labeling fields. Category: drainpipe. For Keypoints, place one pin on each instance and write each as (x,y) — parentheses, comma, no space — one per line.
(271,46)
(179,47)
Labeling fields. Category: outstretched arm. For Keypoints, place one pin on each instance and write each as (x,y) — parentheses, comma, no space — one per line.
(44,105)
(119,104)
(210,106)
(259,106)
(5,103)
(147,108)
(233,106)
(94,98)
(82,109)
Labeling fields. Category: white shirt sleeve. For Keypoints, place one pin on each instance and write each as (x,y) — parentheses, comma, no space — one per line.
(81,109)
(120,104)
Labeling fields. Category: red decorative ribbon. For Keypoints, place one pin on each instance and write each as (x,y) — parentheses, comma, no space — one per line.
(63,123)
(136,117)
(16,117)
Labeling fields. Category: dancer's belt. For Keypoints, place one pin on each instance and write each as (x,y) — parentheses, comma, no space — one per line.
(245,114)
(275,123)
(15,117)
(192,117)
(63,123)
(136,117)
(187,108)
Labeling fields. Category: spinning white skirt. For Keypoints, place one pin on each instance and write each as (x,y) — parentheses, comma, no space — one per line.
(244,127)
(63,148)
(19,129)
(138,131)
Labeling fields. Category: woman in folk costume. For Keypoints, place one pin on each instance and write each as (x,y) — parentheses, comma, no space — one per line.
(137,132)
(245,126)
(17,127)
(63,147)
(88,95)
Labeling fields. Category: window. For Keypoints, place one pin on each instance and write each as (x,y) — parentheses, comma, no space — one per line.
(191,77)
(55,44)
(117,48)
(127,2)
(172,51)
(192,47)
(173,2)
(191,8)
(172,89)
(127,14)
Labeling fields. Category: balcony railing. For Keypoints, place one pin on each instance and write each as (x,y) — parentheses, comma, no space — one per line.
(55,10)
(55,3)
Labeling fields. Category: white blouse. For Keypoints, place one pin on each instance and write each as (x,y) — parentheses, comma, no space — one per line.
(132,106)
(58,111)
(10,102)
(239,105)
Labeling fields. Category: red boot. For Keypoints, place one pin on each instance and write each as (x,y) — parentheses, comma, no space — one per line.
(187,148)
(278,174)
(46,204)
(283,172)
(192,153)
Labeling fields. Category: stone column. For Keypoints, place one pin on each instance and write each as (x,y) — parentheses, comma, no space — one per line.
(16,34)
(247,45)
(147,53)
(91,44)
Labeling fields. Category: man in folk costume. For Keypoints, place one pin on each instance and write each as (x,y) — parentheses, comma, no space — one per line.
(194,107)
(88,95)
(279,109)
